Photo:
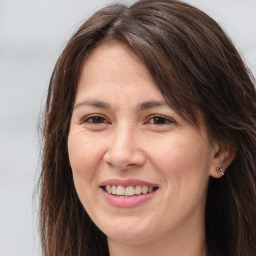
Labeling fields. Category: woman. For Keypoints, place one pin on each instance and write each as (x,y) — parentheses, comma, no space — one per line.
(150,138)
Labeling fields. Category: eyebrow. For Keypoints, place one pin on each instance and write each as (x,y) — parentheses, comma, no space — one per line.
(101,104)
(151,104)
(94,103)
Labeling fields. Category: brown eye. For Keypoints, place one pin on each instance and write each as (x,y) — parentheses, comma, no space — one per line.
(158,120)
(95,119)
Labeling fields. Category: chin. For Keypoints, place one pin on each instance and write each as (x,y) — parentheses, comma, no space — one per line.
(128,229)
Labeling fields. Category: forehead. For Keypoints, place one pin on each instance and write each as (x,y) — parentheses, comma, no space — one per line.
(114,68)
(116,57)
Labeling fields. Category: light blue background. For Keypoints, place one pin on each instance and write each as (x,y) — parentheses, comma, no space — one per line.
(32,35)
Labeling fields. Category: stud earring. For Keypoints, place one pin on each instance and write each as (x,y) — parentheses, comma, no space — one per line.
(221,170)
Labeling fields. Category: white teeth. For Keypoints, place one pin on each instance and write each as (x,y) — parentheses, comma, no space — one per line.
(113,190)
(137,190)
(120,190)
(128,191)
(144,190)
(109,189)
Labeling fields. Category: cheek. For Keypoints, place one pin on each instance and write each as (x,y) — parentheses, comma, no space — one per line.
(172,157)
(183,162)
(83,156)
(84,160)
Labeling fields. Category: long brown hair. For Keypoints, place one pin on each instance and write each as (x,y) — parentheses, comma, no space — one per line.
(195,66)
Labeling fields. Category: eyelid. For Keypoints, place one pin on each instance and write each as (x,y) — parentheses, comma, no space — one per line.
(168,119)
(86,118)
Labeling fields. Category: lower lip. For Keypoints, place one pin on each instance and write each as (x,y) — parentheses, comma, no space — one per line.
(127,202)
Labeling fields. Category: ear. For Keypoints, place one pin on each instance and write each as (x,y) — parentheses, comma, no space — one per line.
(223,155)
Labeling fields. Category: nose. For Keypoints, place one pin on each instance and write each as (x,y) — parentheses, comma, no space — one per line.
(124,152)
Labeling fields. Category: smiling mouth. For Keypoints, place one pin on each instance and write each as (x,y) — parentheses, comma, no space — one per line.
(128,191)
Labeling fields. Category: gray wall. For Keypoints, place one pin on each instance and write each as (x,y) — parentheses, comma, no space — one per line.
(32,34)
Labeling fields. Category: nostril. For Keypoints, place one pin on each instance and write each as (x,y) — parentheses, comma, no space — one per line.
(125,158)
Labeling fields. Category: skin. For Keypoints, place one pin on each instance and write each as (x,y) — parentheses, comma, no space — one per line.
(121,139)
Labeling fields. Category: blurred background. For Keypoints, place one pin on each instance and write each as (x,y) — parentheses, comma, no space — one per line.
(32,35)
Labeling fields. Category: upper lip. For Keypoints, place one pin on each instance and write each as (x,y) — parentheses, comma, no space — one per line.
(127,182)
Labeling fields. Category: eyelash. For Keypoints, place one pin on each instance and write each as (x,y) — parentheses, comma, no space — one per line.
(93,119)
(163,120)
(154,120)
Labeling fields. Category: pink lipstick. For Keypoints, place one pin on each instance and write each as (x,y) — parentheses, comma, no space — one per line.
(127,193)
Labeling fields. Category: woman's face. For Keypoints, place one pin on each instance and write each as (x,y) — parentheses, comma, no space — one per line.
(124,139)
